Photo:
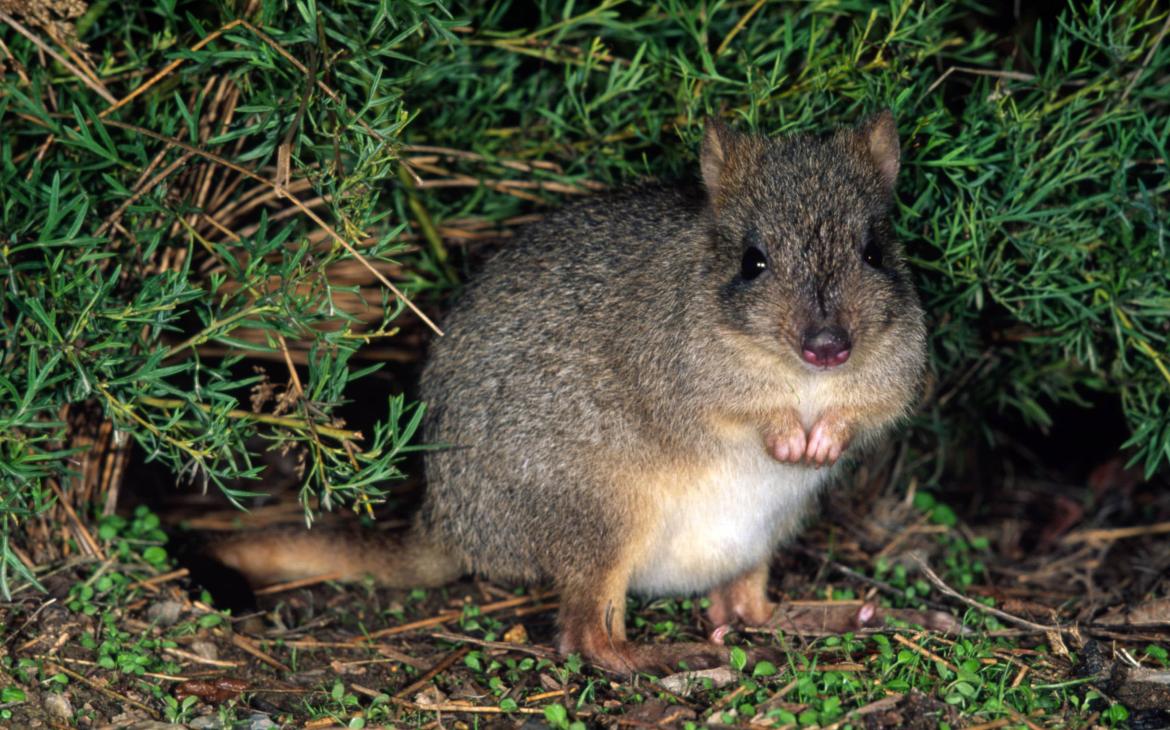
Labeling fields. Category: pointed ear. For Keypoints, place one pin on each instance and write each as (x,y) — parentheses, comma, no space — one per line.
(719,149)
(879,134)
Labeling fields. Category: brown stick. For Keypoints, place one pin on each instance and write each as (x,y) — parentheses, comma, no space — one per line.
(919,649)
(947,590)
(250,646)
(1118,533)
(95,87)
(79,60)
(163,578)
(1146,61)
(472,709)
(446,616)
(24,79)
(540,651)
(200,659)
(142,190)
(79,528)
(106,690)
(433,672)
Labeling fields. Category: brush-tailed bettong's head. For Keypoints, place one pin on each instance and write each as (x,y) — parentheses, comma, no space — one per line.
(806,258)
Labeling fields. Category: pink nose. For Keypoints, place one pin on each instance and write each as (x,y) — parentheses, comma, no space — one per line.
(826,348)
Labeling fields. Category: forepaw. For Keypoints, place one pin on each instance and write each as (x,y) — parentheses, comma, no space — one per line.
(826,441)
(788,446)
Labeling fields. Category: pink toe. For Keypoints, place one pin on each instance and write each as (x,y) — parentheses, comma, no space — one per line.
(718,633)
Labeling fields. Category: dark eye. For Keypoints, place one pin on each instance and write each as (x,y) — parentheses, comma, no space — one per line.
(753,264)
(872,253)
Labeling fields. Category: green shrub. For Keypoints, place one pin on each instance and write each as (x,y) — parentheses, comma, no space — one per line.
(1034,197)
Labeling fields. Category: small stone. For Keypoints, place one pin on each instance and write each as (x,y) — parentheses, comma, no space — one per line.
(684,683)
(430,696)
(656,713)
(128,720)
(59,707)
(164,613)
(206,722)
(726,716)
(205,649)
(261,722)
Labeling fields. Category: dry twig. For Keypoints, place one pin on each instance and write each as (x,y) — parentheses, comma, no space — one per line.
(81,76)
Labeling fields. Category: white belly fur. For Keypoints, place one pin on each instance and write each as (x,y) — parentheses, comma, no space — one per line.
(726,522)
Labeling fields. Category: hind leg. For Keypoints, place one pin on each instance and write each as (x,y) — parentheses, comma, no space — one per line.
(743,599)
(593,623)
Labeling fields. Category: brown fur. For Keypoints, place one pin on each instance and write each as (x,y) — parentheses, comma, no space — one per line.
(613,370)
(743,599)
(394,560)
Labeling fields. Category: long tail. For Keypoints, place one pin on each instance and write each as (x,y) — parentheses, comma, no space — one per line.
(400,560)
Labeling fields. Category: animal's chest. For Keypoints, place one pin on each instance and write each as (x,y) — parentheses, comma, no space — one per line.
(727,519)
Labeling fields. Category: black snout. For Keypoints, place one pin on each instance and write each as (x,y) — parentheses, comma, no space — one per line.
(826,347)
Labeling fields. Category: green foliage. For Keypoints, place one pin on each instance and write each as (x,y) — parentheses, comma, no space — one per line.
(1033,198)
(179,711)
